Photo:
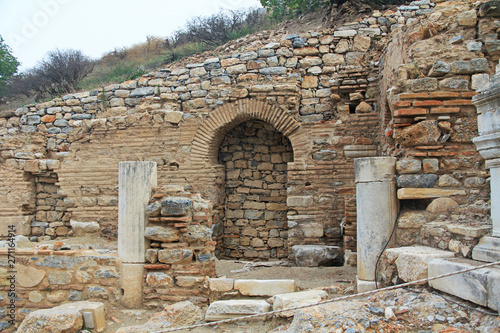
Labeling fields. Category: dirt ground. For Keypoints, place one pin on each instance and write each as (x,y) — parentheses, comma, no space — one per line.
(335,279)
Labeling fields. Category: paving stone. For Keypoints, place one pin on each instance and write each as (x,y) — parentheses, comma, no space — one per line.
(176,206)
(264,287)
(221,310)
(284,301)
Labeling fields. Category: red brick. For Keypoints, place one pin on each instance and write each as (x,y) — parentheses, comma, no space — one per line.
(444,94)
(443,153)
(444,110)
(401,125)
(402,104)
(468,94)
(428,147)
(458,102)
(469,153)
(427,103)
(410,112)
(157,266)
(414,95)
(417,154)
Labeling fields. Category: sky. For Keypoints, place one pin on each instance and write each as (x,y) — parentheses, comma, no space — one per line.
(34,27)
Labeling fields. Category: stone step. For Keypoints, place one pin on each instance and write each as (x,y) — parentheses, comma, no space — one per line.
(481,286)
(290,300)
(412,261)
(248,287)
(221,310)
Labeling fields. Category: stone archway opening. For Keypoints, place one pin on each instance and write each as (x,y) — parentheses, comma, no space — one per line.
(254,227)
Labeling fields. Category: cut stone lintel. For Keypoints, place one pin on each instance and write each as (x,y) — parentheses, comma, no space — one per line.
(426,193)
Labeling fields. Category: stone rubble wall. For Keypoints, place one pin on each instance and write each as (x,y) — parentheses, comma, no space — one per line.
(181,252)
(46,278)
(443,183)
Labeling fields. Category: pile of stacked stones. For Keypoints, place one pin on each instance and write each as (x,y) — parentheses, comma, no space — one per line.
(181,250)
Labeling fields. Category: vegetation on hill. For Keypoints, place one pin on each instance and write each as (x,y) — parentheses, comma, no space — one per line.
(66,71)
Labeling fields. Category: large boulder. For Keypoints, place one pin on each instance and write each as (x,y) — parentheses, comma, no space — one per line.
(67,318)
(317,255)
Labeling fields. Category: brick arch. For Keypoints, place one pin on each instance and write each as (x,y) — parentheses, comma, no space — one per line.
(212,131)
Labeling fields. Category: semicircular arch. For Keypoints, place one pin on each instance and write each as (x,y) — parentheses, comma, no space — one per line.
(212,131)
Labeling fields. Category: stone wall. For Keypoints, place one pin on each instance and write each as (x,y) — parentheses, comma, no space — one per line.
(180,256)
(442,180)
(255,224)
(45,278)
(325,92)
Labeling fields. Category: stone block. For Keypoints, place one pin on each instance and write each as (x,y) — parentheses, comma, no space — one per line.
(363,285)
(158,279)
(285,301)
(264,287)
(411,220)
(131,281)
(421,181)
(412,262)
(162,234)
(488,249)
(175,256)
(316,255)
(221,310)
(221,284)
(300,201)
(472,286)
(441,205)
(468,18)
(28,277)
(426,193)
(404,166)
(176,206)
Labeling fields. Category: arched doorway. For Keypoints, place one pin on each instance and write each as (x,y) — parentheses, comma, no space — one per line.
(255,157)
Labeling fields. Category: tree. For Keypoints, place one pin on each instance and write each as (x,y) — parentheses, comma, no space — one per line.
(58,74)
(8,63)
(285,9)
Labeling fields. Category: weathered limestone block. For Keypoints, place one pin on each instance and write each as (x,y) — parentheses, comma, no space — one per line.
(468,18)
(28,277)
(475,286)
(411,220)
(412,262)
(264,287)
(162,234)
(175,256)
(426,193)
(404,166)
(221,284)
(424,133)
(284,301)
(316,255)
(175,315)
(300,201)
(157,279)
(441,205)
(64,318)
(221,310)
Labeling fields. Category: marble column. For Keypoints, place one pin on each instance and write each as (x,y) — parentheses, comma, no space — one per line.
(488,145)
(377,208)
(136,181)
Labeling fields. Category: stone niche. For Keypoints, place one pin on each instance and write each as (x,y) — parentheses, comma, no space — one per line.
(255,157)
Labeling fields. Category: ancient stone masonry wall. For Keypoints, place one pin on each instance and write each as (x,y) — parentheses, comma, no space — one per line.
(319,89)
(255,224)
(181,252)
(46,278)
(443,184)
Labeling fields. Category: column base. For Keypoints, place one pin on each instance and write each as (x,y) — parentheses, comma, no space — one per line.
(131,281)
(487,250)
(364,285)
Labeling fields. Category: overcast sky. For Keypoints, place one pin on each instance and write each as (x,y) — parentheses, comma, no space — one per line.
(34,27)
